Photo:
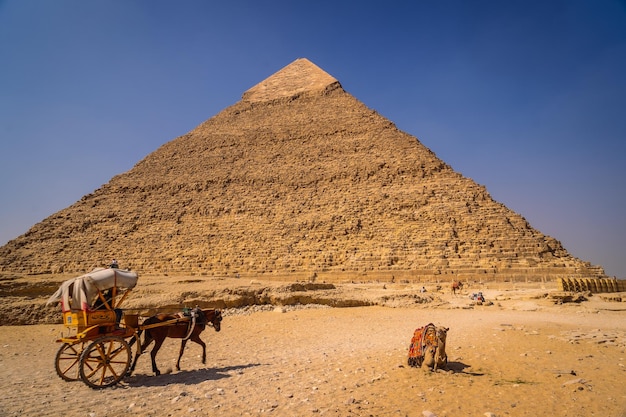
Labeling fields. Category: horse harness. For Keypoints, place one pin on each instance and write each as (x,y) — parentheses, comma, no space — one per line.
(196,317)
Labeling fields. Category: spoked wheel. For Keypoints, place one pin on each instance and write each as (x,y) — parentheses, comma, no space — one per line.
(105,362)
(67,360)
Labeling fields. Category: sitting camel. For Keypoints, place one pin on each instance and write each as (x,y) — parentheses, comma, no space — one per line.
(428,347)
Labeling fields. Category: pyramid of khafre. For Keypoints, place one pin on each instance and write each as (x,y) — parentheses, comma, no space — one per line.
(297,178)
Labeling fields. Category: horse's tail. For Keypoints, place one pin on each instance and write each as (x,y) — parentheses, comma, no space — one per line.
(134,339)
(147,338)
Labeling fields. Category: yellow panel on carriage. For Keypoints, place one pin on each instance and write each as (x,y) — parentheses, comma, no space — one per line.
(76,318)
(100,317)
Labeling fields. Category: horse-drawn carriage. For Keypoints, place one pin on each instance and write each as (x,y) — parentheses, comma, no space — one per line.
(98,348)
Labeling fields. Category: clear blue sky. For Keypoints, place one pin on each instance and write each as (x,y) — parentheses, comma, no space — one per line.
(525,97)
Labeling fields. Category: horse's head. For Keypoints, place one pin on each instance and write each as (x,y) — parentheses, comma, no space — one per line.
(215,318)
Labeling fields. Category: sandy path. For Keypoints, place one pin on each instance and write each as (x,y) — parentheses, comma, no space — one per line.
(344,362)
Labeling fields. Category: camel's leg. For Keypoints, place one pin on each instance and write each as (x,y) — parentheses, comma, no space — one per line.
(429,359)
(441,360)
(180,354)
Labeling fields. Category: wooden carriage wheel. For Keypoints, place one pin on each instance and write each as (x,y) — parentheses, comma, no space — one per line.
(67,360)
(105,362)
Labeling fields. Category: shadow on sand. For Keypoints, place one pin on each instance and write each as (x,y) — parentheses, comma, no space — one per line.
(184,377)
(459,368)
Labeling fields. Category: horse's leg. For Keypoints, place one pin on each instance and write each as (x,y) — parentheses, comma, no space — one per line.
(140,348)
(180,354)
(196,338)
(132,366)
(157,345)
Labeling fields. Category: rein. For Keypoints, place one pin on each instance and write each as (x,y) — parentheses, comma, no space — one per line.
(195,313)
(192,325)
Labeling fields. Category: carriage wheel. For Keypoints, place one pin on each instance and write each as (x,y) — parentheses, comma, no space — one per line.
(67,359)
(105,362)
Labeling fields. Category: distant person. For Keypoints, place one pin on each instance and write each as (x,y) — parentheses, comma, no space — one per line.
(114,264)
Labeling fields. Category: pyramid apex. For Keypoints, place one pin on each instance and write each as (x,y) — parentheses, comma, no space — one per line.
(299,77)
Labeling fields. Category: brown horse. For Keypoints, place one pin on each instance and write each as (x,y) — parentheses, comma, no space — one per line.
(185,328)
(456,285)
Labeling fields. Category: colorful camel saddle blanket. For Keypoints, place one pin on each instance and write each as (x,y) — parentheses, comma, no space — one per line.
(422,338)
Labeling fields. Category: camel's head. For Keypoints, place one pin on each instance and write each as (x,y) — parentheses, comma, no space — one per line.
(442,333)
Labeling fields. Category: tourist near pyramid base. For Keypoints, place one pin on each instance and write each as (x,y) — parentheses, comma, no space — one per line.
(298,180)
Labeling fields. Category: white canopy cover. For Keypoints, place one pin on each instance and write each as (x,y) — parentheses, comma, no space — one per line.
(77,293)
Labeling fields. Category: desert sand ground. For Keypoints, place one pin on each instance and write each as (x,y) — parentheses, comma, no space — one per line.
(521,356)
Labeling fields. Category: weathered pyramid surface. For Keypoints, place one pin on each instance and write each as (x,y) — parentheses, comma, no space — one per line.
(299,77)
(298,178)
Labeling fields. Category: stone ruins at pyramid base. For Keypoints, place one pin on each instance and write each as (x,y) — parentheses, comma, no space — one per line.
(298,180)
(376,268)
(402,276)
(328,275)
